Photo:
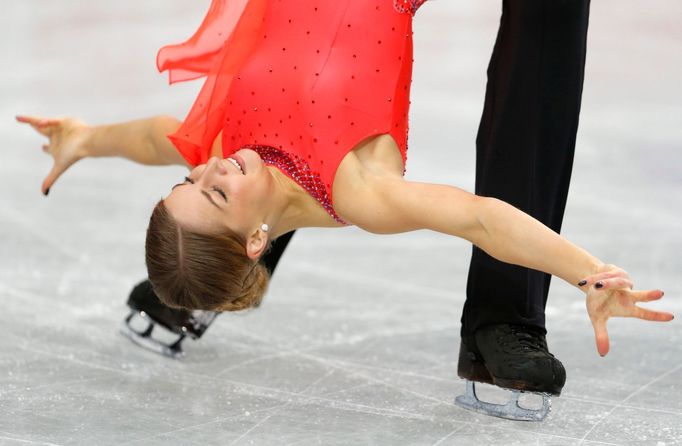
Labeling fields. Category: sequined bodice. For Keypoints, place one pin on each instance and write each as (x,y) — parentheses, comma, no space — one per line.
(304,81)
(407,6)
(298,170)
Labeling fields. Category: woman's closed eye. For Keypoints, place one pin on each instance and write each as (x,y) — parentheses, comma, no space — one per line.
(220,192)
(217,189)
(184,181)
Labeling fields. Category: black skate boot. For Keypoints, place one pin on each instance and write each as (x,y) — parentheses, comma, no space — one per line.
(154,326)
(513,357)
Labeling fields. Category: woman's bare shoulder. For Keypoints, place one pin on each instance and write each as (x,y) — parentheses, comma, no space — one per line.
(371,163)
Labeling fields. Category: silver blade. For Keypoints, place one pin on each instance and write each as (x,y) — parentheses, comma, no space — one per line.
(144,339)
(510,411)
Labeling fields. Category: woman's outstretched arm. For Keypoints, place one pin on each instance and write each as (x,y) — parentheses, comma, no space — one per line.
(496,227)
(143,141)
(391,205)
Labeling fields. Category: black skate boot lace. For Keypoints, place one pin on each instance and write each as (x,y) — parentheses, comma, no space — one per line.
(520,339)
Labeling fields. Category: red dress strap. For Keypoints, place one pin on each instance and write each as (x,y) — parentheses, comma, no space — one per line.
(217,50)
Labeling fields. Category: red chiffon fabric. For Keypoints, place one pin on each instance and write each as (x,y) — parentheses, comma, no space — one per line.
(216,50)
(309,78)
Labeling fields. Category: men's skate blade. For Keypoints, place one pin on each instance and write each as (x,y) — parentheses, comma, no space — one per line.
(172,351)
(510,411)
(139,323)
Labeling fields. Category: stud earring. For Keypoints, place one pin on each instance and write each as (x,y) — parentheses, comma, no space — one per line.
(264,227)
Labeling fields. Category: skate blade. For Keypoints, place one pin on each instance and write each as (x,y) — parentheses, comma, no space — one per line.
(144,339)
(510,411)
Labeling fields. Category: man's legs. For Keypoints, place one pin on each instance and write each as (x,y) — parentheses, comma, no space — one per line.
(525,147)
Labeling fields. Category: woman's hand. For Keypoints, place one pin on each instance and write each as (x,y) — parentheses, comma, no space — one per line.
(67,143)
(609,294)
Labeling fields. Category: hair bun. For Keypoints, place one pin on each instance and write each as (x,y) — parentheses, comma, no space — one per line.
(254,289)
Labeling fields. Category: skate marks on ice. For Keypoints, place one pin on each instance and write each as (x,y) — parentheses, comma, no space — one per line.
(68,377)
(623,407)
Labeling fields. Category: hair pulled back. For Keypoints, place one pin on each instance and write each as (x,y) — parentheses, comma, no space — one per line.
(197,271)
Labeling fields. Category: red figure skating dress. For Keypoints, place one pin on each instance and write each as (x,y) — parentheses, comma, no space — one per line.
(302,82)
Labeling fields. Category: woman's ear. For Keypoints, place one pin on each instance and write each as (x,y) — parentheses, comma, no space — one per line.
(256,244)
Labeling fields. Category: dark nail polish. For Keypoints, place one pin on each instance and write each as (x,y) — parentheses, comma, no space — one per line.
(599,285)
(582,282)
(47,191)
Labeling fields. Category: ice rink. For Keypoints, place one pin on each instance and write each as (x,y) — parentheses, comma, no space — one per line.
(357,341)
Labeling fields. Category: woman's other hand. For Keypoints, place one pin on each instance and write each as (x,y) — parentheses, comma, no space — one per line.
(66,143)
(610,293)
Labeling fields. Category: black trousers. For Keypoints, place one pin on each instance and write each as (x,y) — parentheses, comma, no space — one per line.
(525,145)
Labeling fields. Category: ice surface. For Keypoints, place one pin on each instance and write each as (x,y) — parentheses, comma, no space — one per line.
(357,341)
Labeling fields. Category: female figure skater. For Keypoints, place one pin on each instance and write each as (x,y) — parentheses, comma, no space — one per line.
(303,122)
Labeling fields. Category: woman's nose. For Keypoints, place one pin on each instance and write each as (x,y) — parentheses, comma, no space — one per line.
(215,165)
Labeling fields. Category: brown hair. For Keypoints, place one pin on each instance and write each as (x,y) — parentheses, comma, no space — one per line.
(201,271)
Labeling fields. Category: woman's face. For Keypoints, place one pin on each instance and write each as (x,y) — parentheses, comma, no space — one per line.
(228,193)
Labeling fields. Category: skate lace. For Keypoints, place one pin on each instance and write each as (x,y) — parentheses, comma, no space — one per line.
(519,340)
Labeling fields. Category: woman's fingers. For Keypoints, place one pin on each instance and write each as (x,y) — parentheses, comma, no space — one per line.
(51,177)
(41,125)
(646,314)
(614,283)
(651,315)
(28,119)
(647,296)
(65,143)
(36,122)
(604,303)
(601,336)
(595,278)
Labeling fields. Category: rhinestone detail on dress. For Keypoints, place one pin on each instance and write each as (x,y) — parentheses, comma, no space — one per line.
(407,6)
(296,167)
